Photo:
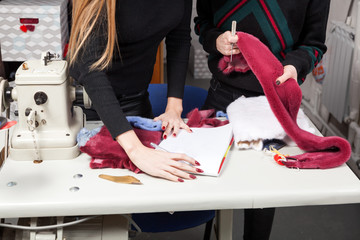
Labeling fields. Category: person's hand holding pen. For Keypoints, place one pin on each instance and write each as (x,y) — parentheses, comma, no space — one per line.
(226,44)
(158,163)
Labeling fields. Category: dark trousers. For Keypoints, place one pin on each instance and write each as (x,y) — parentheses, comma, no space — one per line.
(258,222)
(220,95)
(132,105)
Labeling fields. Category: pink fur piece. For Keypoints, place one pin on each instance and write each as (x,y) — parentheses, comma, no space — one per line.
(285,100)
(224,65)
(204,119)
(238,64)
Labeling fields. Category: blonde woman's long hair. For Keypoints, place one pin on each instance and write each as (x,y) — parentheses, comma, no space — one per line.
(86,16)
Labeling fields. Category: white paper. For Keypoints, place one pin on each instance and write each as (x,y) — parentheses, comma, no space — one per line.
(206,145)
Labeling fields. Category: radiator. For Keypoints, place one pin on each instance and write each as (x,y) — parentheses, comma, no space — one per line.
(340,92)
(338,62)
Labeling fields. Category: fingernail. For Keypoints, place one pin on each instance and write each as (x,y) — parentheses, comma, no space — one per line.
(199,170)
(163,127)
(180,180)
(277,82)
(192,176)
(191,130)
(197,163)
(165,136)
(174,134)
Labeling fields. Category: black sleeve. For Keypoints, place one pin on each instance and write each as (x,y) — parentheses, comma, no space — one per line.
(98,87)
(204,27)
(177,53)
(311,46)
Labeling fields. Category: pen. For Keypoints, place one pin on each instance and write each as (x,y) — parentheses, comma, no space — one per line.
(233,31)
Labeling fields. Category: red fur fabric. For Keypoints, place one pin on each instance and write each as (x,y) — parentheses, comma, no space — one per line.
(107,153)
(285,100)
(204,119)
(238,64)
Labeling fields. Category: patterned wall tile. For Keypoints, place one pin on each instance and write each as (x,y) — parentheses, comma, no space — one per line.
(50,34)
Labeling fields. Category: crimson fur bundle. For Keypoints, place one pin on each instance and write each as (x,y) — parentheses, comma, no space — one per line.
(285,100)
(105,152)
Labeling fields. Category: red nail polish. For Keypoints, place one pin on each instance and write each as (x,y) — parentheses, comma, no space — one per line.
(163,128)
(199,170)
(165,136)
(191,130)
(180,180)
(197,163)
(192,176)
(174,134)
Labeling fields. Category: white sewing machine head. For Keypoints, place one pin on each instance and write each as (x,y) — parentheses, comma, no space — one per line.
(48,122)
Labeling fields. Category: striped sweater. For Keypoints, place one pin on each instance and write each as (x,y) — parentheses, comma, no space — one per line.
(293,30)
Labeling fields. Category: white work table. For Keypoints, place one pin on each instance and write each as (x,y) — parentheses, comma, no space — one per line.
(249,179)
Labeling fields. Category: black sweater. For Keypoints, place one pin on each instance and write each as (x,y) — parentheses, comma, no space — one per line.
(141,26)
(293,30)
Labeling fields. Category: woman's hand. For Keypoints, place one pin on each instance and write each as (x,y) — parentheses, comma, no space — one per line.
(224,41)
(289,72)
(171,119)
(171,166)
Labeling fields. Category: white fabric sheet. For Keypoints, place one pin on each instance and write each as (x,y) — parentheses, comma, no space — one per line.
(253,120)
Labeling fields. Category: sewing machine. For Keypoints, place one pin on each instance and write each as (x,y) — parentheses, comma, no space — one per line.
(48,122)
